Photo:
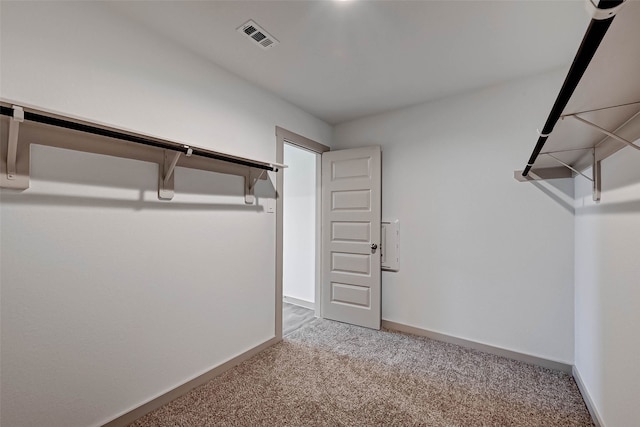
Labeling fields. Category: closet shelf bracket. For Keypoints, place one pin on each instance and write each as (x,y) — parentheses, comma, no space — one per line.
(604,131)
(569,166)
(596,178)
(542,174)
(166,180)
(12,148)
(250,181)
(565,171)
(14,152)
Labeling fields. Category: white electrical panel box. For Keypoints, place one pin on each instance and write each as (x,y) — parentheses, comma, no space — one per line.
(390,245)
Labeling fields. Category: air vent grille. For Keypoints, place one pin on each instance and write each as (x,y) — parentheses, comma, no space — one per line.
(257,35)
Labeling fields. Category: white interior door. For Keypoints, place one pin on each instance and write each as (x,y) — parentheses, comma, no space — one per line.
(351,181)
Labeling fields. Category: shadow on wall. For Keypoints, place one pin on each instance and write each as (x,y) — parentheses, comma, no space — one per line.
(140,204)
(620,187)
(559,190)
(630,206)
(61,177)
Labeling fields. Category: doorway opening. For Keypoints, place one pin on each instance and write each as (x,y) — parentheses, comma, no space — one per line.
(301,226)
(346,274)
(299,237)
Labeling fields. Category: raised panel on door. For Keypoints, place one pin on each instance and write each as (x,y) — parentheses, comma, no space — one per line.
(350,226)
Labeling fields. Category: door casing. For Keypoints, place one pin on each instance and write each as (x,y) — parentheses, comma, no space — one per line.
(282,136)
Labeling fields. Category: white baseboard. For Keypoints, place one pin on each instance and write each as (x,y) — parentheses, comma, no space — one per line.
(595,417)
(131,416)
(144,409)
(522,357)
(300,302)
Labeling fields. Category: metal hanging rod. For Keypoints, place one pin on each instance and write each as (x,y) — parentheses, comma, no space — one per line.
(600,109)
(602,16)
(187,150)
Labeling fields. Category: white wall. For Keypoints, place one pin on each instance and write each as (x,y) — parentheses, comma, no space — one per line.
(483,257)
(607,271)
(299,218)
(108,296)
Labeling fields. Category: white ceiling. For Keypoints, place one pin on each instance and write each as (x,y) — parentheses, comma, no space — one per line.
(341,60)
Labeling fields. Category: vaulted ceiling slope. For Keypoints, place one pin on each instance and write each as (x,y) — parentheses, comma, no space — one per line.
(340,60)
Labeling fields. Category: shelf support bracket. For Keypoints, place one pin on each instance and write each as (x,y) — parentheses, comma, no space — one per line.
(566,172)
(543,174)
(606,132)
(14,166)
(250,181)
(12,148)
(597,177)
(166,177)
(568,166)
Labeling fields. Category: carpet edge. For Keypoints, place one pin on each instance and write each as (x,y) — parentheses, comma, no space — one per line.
(497,351)
(142,410)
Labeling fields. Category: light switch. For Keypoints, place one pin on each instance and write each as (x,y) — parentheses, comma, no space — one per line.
(270,205)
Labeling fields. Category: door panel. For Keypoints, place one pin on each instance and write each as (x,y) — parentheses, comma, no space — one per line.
(350,231)
(351,168)
(350,225)
(355,200)
(350,263)
(350,294)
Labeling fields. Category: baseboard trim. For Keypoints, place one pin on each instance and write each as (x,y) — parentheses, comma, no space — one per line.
(522,357)
(131,416)
(595,417)
(300,302)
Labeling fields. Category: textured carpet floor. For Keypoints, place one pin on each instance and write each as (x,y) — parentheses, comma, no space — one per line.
(294,317)
(332,374)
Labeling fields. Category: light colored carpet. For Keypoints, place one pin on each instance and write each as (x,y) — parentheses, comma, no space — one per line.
(294,317)
(332,374)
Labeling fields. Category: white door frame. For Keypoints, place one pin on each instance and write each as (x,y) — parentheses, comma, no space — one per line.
(282,136)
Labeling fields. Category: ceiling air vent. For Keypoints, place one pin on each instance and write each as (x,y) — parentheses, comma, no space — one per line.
(257,35)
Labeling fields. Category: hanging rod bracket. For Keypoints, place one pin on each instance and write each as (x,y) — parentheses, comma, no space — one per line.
(166,177)
(169,172)
(14,170)
(250,181)
(600,14)
(12,148)
(166,181)
(597,177)
(566,171)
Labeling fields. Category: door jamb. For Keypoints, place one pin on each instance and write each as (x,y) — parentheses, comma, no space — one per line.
(283,135)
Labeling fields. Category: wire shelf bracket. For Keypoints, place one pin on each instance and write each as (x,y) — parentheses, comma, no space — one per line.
(606,96)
